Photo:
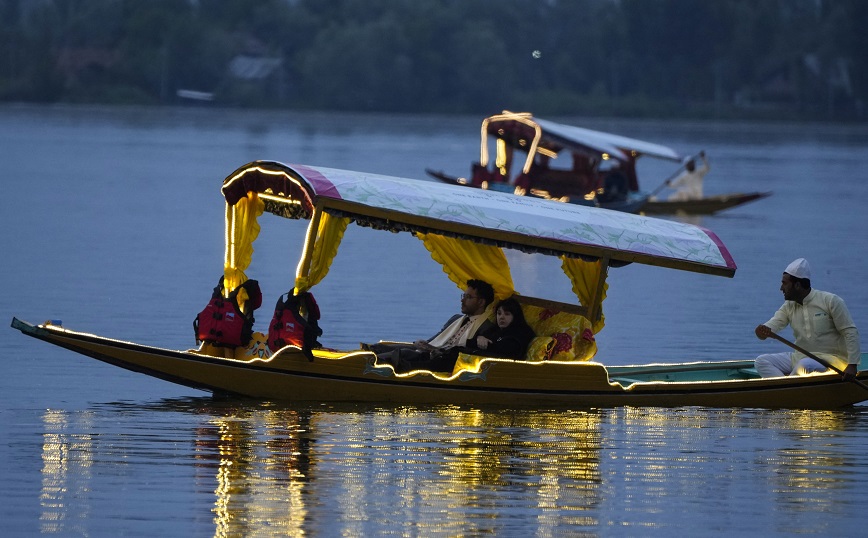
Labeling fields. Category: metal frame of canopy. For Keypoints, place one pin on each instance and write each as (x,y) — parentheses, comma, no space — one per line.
(609,146)
(507,120)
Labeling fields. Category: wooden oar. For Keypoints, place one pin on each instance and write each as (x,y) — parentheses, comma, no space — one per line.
(816,358)
(671,177)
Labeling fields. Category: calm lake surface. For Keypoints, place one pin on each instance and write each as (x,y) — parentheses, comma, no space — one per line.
(113,222)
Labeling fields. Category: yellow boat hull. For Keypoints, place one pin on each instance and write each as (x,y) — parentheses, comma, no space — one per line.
(354,376)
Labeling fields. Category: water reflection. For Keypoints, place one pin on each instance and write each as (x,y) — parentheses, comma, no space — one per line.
(714,458)
(810,474)
(262,469)
(66,469)
(268,464)
(270,469)
(259,463)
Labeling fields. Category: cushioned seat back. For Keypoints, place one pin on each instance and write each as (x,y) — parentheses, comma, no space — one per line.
(560,336)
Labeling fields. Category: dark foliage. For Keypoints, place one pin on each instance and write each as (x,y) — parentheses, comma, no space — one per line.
(728,58)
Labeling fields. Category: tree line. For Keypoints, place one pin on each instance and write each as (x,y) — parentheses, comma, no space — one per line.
(785,59)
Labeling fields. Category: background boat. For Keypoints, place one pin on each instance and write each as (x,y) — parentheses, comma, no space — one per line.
(578,165)
(632,204)
(706,205)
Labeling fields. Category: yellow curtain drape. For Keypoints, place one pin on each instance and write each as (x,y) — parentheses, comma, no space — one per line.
(242,229)
(318,255)
(462,260)
(585,276)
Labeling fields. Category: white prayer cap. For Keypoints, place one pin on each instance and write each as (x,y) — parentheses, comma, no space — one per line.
(799,268)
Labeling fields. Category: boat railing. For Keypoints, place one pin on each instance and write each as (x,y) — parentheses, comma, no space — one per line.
(681,373)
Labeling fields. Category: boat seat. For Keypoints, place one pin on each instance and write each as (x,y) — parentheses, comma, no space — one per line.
(560,330)
(563,331)
(548,304)
(481,175)
(563,182)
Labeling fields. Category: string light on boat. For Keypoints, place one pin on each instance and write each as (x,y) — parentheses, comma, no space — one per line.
(269,194)
(500,160)
(229,255)
(547,152)
(279,199)
(524,118)
(261,170)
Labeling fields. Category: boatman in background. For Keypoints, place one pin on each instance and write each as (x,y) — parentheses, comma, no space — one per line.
(821,325)
(688,185)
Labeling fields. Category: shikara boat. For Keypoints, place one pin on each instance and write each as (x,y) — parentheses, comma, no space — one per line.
(456,225)
(630,204)
(706,205)
(577,165)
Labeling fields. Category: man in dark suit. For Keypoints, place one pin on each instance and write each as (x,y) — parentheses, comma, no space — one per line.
(460,331)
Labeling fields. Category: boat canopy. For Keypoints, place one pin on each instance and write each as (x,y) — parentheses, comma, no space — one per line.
(536,135)
(601,139)
(464,229)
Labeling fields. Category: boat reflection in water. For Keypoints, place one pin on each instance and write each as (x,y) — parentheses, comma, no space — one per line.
(260,465)
(271,471)
(261,470)
(271,467)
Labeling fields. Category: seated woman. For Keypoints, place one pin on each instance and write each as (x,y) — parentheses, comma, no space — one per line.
(512,336)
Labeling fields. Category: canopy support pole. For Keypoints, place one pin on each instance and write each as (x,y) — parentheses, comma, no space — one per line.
(309,242)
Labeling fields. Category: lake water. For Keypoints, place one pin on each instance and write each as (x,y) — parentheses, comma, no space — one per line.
(113,222)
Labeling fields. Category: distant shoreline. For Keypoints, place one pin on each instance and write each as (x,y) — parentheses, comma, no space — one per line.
(273,114)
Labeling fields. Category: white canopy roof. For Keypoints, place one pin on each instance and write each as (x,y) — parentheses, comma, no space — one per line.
(516,221)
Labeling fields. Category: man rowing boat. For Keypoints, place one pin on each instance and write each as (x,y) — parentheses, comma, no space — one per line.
(688,184)
(821,325)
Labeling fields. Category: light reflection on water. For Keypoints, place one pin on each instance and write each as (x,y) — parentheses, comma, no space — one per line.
(268,470)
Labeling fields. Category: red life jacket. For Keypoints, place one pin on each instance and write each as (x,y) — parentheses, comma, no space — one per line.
(222,322)
(290,327)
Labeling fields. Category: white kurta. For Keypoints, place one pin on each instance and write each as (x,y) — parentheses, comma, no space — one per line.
(688,185)
(822,325)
